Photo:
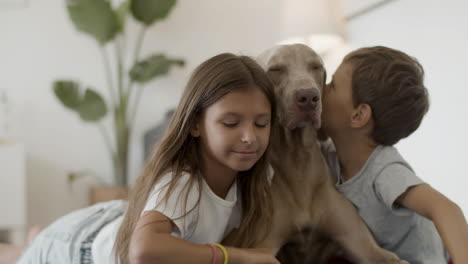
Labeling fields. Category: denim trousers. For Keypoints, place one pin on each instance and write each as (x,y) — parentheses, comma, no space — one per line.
(61,241)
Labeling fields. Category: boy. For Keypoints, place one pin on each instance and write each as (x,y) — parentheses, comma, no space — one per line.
(376,98)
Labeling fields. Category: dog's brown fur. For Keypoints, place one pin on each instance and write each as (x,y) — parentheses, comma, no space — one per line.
(303,189)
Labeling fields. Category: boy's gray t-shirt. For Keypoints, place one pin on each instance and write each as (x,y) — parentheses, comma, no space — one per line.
(373,191)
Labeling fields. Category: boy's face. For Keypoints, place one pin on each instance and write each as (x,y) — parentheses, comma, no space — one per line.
(337,102)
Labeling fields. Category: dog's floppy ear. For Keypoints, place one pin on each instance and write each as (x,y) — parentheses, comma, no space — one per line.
(321,136)
(265,56)
(324,78)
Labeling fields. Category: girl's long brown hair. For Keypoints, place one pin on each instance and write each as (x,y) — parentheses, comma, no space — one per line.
(177,151)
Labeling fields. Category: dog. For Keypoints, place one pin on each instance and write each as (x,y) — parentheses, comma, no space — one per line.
(306,202)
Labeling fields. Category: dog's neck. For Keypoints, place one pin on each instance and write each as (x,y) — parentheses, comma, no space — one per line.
(298,142)
(296,156)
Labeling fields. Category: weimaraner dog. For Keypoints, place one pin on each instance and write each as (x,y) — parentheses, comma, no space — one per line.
(303,191)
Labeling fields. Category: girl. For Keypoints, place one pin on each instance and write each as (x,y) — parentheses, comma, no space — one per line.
(207,175)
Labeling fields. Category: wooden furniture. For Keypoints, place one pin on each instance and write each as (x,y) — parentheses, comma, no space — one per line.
(103,194)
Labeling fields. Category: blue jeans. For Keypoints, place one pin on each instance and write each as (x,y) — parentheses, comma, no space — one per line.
(60,242)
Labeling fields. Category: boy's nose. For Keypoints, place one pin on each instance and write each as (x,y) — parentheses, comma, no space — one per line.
(307,99)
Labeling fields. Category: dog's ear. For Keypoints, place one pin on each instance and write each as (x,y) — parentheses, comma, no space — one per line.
(324,78)
(321,135)
(265,57)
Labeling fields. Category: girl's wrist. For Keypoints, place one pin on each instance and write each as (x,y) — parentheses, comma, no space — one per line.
(236,255)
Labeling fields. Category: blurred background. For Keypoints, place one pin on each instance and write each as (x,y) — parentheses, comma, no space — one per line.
(58,141)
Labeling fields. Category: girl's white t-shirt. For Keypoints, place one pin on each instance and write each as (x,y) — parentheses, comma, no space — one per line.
(209,221)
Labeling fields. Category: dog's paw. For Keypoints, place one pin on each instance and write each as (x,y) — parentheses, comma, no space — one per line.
(387,257)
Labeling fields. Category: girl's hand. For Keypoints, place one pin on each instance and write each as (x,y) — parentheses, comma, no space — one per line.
(252,256)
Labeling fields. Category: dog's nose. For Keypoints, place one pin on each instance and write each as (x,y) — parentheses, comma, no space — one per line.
(307,98)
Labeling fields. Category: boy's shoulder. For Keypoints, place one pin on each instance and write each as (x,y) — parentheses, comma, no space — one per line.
(381,155)
(388,155)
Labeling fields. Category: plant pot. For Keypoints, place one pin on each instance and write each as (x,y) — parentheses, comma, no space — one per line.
(99,194)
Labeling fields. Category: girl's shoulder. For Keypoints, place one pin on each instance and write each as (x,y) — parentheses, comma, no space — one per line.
(170,178)
(170,190)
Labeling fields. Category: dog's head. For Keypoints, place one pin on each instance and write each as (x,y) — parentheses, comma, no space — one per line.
(298,76)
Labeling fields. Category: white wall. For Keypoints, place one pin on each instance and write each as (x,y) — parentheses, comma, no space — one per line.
(435,32)
(38,44)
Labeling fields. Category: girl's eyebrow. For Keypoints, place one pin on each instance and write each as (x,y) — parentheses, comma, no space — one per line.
(238,115)
(230,114)
(264,115)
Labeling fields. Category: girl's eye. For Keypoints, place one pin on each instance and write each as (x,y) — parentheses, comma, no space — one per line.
(230,124)
(262,124)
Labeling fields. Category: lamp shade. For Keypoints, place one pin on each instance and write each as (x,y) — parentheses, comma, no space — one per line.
(319,24)
(306,18)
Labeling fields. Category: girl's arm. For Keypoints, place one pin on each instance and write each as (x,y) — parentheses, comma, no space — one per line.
(446,215)
(152,242)
(229,239)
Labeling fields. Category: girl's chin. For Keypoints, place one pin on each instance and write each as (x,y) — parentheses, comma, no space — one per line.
(243,167)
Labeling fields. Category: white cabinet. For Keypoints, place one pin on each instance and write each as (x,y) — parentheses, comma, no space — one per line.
(13,190)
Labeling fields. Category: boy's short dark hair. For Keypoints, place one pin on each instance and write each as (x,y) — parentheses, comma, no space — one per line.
(391,82)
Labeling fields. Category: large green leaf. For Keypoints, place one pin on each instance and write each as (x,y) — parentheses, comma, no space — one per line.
(148,11)
(92,107)
(68,93)
(122,11)
(152,67)
(94,17)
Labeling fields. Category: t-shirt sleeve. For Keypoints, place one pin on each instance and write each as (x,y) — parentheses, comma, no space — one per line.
(393,181)
(180,205)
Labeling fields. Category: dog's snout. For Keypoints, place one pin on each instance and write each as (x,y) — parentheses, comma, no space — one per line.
(307,98)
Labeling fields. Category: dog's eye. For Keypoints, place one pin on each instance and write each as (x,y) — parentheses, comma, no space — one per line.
(276,69)
(316,67)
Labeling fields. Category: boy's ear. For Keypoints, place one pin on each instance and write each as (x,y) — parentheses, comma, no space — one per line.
(361,116)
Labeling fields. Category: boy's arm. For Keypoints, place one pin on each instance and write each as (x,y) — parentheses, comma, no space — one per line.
(445,214)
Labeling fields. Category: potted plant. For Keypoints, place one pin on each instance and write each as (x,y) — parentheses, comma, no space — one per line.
(106,24)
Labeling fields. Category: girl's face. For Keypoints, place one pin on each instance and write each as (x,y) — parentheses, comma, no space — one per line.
(234,132)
